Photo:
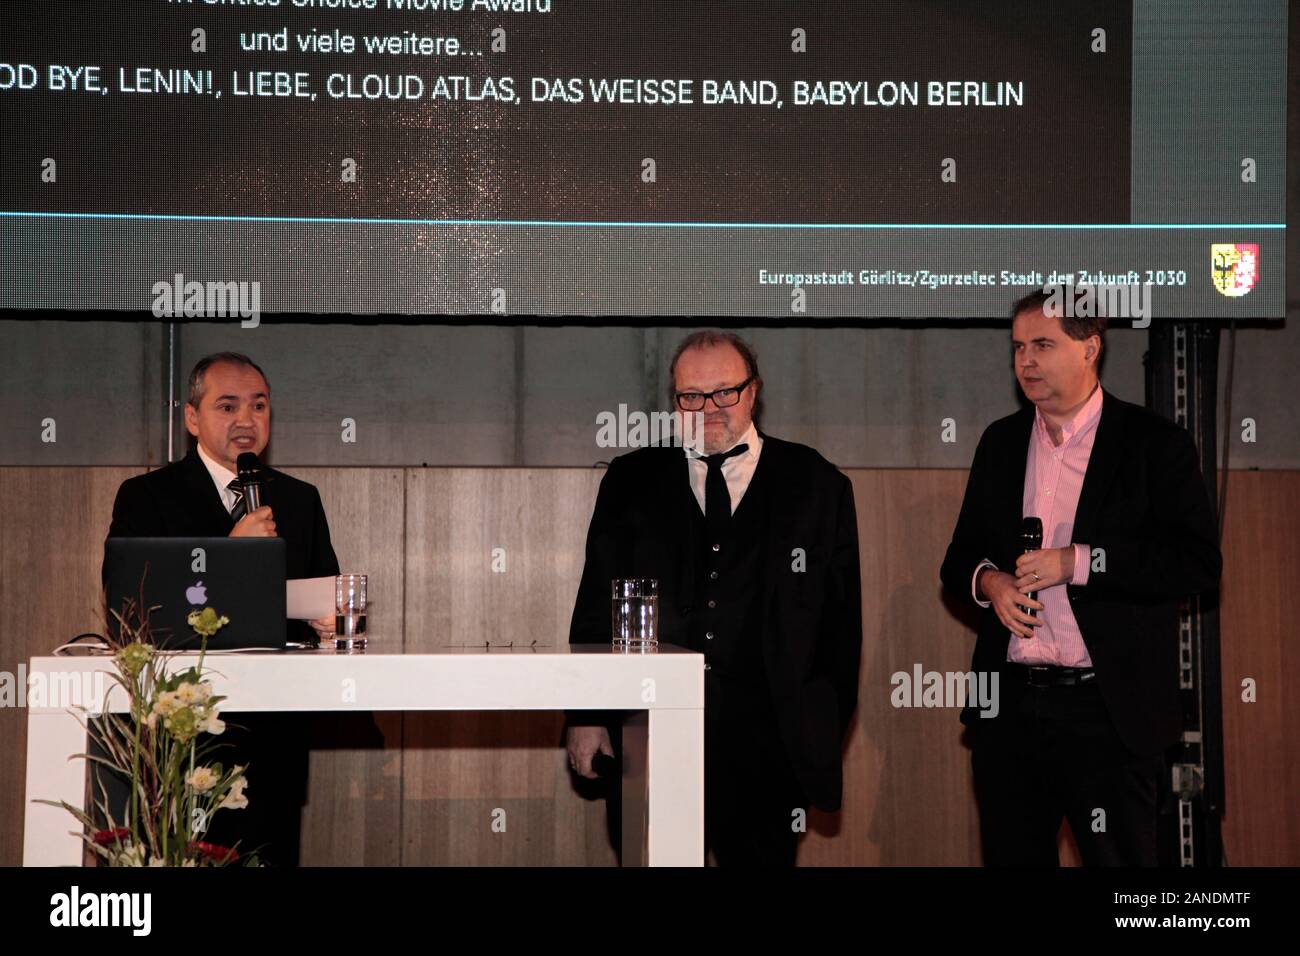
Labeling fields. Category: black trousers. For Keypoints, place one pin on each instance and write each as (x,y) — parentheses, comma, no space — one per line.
(275,747)
(1054,753)
(750,792)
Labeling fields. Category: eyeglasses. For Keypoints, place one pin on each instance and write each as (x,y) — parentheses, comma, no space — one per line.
(723,397)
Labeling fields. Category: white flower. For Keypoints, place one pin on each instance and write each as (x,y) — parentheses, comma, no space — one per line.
(168,702)
(202,779)
(212,724)
(188,693)
(235,799)
(131,855)
(151,720)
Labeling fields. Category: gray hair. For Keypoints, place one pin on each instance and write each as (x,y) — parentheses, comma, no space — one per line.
(708,338)
(197,386)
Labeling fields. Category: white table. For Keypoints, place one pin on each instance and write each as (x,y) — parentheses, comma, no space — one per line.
(663,736)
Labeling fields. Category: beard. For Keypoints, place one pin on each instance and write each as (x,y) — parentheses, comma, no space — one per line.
(718,439)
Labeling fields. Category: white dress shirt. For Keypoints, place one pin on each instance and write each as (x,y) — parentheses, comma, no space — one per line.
(737,471)
(221,477)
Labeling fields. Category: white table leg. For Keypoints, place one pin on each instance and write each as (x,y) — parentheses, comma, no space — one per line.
(675,788)
(50,834)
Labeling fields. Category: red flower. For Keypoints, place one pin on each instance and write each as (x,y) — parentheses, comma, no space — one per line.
(109,837)
(211,851)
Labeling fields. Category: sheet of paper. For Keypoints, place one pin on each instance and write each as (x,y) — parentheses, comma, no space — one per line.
(309,598)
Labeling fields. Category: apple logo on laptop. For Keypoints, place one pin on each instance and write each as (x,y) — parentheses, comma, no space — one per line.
(197,594)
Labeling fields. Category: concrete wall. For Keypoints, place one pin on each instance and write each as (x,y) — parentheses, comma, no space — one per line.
(478,395)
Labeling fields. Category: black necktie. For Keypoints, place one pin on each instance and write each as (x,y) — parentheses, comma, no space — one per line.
(717,500)
(241,506)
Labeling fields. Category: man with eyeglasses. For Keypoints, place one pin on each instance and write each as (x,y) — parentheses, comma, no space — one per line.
(754,543)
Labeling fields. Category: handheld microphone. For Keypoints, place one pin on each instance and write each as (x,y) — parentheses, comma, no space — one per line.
(250,476)
(1031,539)
(602,765)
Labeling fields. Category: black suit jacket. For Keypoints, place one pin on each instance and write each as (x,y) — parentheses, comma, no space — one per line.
(1145,503)
(812,634)
(180,500)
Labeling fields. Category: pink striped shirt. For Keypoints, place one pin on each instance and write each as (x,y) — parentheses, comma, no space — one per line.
(1053,479)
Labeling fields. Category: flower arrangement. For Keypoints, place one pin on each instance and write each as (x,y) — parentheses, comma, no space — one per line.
(163,745)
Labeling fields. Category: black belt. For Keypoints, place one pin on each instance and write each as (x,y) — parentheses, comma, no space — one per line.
(1045,675)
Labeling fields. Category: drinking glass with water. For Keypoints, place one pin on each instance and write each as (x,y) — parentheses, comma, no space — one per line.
(636,614)
(350,611)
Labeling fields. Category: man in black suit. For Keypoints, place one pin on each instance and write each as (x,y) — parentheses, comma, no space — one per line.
(1088,682)
(754,544)
(229,413)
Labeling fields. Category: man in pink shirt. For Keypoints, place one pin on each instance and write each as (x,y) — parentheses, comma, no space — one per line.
(1082,632)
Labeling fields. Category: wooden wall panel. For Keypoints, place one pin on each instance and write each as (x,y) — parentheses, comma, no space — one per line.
(53,522)
(907,798)
(461,769)
(1261,641)
(458,518)
(426,792)
(466,772)
(354,793)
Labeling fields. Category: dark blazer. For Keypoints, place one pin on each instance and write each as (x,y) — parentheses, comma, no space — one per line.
(180,500)
(812,634)
(1145,503)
